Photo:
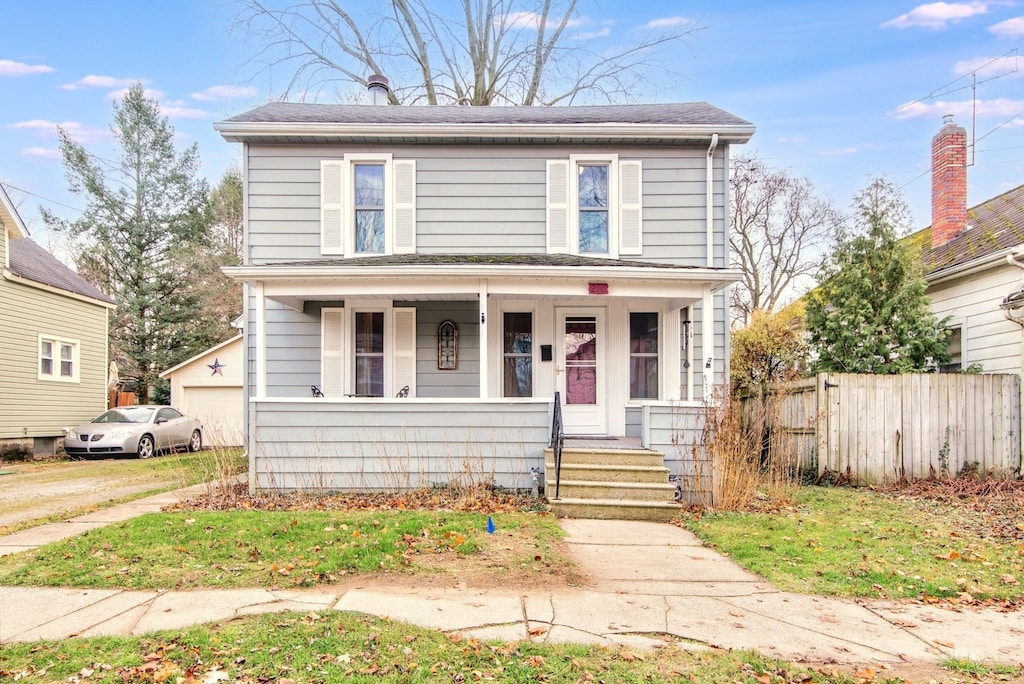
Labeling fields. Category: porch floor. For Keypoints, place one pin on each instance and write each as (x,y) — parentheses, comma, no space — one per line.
(602,443)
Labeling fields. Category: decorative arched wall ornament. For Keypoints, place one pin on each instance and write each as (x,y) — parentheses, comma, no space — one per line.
(447,346)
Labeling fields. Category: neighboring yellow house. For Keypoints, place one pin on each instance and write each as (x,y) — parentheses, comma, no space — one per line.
(53,343)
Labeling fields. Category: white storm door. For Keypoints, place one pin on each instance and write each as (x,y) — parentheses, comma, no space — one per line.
(580,370)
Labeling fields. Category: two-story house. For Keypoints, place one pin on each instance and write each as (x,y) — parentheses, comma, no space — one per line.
(438,274)
(53,343)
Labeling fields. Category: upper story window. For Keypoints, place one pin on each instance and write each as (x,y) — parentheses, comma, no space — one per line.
(594,206)
(955,347)
(58,359)
(367,205)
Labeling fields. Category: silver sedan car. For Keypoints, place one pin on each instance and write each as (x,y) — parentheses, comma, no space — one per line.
(140,430)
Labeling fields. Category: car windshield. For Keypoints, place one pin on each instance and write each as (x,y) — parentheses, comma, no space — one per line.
(128,414)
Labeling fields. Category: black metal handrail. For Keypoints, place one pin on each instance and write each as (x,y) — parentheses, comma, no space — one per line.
(557,441)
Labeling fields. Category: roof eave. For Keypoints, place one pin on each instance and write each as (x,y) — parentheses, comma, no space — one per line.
(971,267)
(234,131)
(28,282)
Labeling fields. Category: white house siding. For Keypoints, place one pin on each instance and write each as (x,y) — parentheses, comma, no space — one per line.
(214,398)
(30,407)
(482,199)
(323,445)
(989,339)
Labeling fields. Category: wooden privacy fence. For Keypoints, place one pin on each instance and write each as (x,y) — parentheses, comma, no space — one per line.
(880,428)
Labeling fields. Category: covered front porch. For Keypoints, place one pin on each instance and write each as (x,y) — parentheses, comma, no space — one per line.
(371,374)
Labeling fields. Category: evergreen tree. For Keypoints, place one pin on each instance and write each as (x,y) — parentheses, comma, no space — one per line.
(147,217)
(870,313)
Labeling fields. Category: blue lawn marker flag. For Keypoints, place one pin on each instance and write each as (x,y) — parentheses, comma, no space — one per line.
(490,525)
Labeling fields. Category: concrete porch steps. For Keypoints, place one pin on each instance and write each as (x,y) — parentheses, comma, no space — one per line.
(617,484)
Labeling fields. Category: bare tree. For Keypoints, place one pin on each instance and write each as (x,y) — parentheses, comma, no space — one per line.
(778,226)
(493,52)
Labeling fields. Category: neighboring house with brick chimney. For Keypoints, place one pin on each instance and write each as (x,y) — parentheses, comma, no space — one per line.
(971,255)
(53,343)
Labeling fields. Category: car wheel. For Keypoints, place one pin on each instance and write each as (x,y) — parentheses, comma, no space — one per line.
(196,443)
(146,446)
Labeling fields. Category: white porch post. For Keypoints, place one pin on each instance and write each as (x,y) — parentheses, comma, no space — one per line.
(261,342)
(689,352)
(672,362)
(707,342)
(484,368)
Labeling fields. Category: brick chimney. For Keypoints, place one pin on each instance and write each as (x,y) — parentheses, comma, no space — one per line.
(949,182)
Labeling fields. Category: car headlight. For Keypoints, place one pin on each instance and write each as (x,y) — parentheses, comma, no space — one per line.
(121,433)
(73,434)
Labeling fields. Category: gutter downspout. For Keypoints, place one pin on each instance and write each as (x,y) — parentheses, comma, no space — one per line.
(709,202)
(1011,259)
(707,336)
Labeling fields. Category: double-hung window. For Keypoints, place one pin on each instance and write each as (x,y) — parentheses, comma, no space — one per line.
(517,354)
(643,355)
(367,205)
(368,352)
(594,206)
(58,359)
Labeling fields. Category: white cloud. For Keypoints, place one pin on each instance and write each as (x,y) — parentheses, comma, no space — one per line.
(224,92)
(667,22)
(148,93)
(792,141)
(9,68)
(41,153)
(1011,28)
(48,129)
(839,153)
(178,112)
(94,81)
(591,35)
(1003,108)
(990,67)
(531,20)
(937,15)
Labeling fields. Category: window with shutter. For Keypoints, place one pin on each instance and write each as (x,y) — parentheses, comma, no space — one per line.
(332,342)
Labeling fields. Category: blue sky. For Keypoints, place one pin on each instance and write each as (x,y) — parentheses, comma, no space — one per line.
(839,92)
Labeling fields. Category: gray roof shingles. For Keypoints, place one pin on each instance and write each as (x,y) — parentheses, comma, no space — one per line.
(993,225)
(688,113)
(32,262)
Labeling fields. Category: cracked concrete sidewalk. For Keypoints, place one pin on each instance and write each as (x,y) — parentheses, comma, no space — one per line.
(651,581)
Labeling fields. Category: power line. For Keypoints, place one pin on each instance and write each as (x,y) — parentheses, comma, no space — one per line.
(45,199)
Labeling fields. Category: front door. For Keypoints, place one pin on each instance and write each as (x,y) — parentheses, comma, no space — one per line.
(581,372)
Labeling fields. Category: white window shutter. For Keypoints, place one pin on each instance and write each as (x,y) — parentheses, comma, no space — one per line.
(631,233)
(403,349)
(332,206)
(332,352)
(558,207)
(405,207)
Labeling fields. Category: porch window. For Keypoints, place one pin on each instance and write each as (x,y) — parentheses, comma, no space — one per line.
(643,355)
(369,208)
(369,353)
(592,191)
(518,354)
(58,359)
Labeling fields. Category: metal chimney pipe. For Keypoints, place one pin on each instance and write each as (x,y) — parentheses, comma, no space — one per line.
(379,88)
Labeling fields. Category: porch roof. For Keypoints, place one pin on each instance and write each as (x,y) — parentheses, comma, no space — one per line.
(414,276)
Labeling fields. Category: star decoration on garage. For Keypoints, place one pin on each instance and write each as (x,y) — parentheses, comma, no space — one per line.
(217,367)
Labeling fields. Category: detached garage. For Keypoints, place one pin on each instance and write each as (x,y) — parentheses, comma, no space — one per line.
(209,387)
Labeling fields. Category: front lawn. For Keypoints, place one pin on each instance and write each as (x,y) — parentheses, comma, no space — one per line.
(858,542)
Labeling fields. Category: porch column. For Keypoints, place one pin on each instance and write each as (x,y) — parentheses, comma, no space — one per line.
(261,342)
(484,368)
(688,331)
(707,342)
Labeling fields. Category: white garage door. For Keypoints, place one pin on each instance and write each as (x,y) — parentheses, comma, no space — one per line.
(220,410)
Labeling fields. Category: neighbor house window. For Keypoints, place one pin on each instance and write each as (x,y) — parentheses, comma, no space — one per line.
(954,345)
(592,198)
(367,205)
(369,350)
(518,354)
(643,355)
(58,359)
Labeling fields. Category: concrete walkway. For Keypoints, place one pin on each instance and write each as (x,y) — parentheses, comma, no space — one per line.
(651,581)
